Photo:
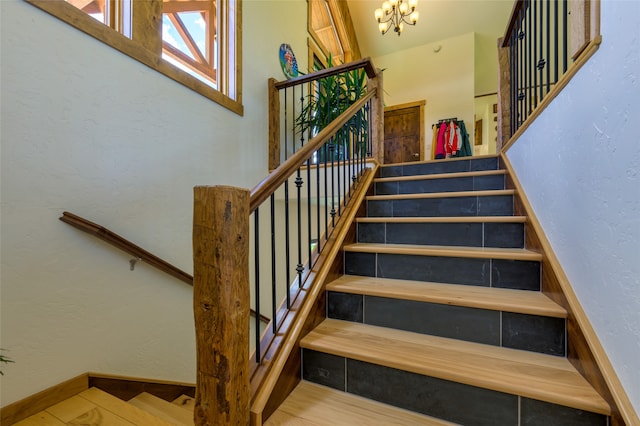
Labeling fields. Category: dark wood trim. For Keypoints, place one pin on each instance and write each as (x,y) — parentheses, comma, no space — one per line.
(338,69)
(271,183)
(127,246)
(126,388)
(519,4)
(121,387)
(42,400)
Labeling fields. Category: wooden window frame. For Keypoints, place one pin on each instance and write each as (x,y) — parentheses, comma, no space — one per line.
(146,44)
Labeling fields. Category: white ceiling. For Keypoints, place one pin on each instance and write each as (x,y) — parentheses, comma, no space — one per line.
(439,19)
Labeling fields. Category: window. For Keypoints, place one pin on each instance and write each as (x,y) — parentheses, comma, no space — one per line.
(193,42)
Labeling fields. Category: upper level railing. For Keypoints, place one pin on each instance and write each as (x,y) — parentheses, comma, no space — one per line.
(299,108)
(263,247)
(544,40)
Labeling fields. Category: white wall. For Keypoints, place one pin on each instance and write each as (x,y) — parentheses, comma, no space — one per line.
(445,79)
(89,130)
(486,63)
(580,166)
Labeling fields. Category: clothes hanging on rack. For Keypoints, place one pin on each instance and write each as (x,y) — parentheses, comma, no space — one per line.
(450,139)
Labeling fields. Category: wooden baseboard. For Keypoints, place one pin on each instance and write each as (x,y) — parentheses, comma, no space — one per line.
(584,348)
(42,400)
(121,387)
(126,388)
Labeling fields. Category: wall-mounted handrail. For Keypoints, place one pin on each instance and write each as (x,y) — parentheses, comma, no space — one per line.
(127,246)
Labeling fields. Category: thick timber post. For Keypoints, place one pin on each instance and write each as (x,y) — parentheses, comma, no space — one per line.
(221,304)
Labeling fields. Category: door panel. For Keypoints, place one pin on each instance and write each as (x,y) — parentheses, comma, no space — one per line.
(404,133)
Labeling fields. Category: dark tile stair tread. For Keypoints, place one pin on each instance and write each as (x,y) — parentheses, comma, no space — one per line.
(444,219)
(310,404)
(487,193)
(541,377)
(446,251)
(502,299)
(440,176)
(444,160)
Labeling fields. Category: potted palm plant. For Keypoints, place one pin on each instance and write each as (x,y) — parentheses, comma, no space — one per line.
(329,98)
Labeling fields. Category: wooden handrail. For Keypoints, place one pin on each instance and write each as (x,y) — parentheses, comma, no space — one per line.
(125,245)
(271,183)
(517,5)
(338,69)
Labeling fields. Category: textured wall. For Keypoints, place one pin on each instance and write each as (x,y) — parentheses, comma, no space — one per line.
(89,130)
(445,79)
(580,166)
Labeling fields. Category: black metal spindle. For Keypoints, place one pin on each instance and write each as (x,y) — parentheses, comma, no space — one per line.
(565,37)
(273,263)
(256,266)
(548,2)
(556,22)
(514,72)
(529,38)
(534,57)
(299,267)
(319,245)
(287,246)
(286,126)
(333,178)
(309,237)
(541,61)
(325,148)
(302,109)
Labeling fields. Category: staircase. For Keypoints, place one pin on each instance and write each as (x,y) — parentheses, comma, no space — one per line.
(440,310)
(96,407)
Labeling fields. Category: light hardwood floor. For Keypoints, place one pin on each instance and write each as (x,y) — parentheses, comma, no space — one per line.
(314,405)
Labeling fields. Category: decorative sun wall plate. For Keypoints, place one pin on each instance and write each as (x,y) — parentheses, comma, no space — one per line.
(288,61)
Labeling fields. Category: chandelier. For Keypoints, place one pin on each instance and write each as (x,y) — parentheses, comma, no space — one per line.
(396,13)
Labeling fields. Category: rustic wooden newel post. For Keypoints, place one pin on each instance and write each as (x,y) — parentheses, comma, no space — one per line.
(377,118)
(221,304)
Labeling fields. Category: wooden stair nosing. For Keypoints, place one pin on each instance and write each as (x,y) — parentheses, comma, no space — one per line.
(440,176)
(443,219)
(499,299)
(162,409)
(542,377)
(413,196)
(446,251)
(122,408)
(311,404)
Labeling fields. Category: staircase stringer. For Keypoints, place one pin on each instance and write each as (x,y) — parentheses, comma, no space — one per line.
(279,375)
(584,349)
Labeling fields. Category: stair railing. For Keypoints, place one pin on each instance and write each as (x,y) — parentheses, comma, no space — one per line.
(134,250)
(544,40)
(238,258)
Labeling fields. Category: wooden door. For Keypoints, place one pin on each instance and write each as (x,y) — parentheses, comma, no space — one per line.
(404,133)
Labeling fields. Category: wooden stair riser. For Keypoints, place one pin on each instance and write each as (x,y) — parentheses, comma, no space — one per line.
(479,234)
(453,184)
(442,206)
(451,166)
(492,327)
(486,272)
(444,399)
